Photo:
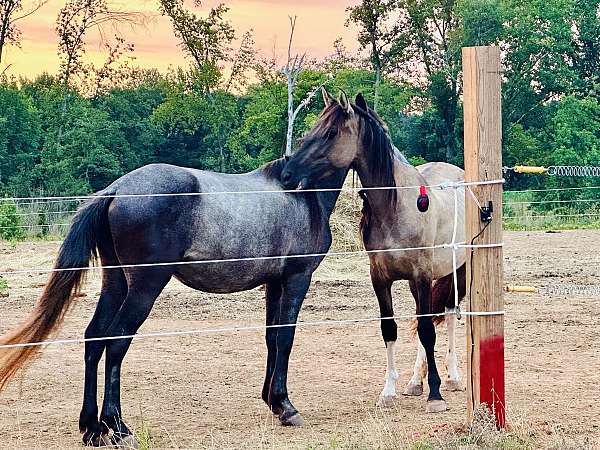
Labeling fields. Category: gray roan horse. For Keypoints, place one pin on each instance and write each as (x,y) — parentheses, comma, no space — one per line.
(181,228)
(351,135)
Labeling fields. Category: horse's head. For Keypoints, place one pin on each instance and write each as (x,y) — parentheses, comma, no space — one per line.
(331,145)
(345,135)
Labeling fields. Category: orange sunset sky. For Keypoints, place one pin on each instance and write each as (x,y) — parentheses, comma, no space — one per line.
(320,22)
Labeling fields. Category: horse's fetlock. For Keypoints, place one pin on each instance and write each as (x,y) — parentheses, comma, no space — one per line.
(391,374)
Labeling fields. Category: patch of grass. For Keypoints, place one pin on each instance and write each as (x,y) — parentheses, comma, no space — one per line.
(144,436)
(522,215)
(380,432)
(551,223)
(4,288)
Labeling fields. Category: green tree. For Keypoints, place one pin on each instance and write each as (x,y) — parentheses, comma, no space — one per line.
(586,43)
(10,227)
(20,136)
(87,158)
(130,110)
(206,40)
(196,129)
(537,41)
(376,35)
(261,134)
(74,21)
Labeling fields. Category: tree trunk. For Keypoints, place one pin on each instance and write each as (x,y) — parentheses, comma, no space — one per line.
(290,127)
(377,84)
(3,33)
(376,60)
(63,111)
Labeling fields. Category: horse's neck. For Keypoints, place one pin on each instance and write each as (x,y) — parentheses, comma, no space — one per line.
(327,200)
(404,175)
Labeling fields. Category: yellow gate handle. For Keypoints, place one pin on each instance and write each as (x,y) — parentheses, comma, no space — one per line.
(521,289)
(530,169)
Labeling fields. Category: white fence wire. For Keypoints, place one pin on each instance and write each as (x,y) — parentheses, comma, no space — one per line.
(455,246)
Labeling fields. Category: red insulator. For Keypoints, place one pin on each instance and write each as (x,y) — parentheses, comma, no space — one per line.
(423,199)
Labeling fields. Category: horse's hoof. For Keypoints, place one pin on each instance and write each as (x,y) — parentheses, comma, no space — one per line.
(453,386)
(434,406)
(413,389)
(93,439)
(386,401)
(295,420)
(125,442)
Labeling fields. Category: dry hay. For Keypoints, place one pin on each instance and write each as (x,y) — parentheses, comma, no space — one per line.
(345,218)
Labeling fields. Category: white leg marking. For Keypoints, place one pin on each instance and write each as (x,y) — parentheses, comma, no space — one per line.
(453,382)
(388,393)
(415,385)
(420,370)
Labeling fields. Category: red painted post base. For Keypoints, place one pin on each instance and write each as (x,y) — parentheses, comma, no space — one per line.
(491,381)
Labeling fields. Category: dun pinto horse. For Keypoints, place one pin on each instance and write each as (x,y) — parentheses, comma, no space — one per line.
(352,135)
(124,226)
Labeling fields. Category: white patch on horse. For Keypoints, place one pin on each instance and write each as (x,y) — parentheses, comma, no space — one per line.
(453,382)
(420,370)
(415,385)
(391,375)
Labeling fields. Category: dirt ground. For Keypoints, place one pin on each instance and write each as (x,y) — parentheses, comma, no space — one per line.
(204,391)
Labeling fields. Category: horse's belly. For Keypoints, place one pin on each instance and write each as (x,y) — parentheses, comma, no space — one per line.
(442,261)
(226,277)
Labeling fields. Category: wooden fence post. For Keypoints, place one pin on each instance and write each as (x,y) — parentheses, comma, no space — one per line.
(483,162)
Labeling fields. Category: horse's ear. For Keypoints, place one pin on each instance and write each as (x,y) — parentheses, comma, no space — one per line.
(327,99)
(361,102)
(344,103)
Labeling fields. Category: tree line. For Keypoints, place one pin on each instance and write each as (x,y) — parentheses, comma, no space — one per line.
(76,131)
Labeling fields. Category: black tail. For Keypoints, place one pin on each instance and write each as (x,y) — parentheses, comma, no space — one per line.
(78,248)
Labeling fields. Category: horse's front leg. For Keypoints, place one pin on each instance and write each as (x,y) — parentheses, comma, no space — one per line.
(272,304)
(415,385)
(453,382)
(279,344)
(426,331)
(389,332)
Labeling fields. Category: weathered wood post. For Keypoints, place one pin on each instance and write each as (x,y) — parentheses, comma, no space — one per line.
(483,162)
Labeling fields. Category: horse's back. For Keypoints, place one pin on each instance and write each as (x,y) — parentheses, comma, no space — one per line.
(440,172)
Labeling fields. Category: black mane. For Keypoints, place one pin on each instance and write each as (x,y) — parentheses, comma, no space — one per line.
(380,150)
(273,169)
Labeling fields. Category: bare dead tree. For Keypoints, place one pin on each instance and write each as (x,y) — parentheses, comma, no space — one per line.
(292,70)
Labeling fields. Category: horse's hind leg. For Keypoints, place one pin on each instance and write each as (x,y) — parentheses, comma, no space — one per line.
(453,382)
(144,286)
(389,332)
(114,290)
(426,330)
